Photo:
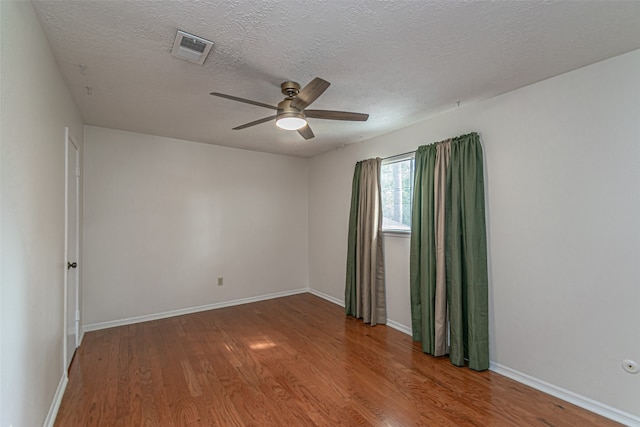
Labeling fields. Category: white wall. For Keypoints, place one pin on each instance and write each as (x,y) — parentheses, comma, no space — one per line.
(563,213)
(165,218)
(35,108)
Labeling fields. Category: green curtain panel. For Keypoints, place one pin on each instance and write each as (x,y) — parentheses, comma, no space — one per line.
(365,295)
(465,250)
(422,262)
(350,297)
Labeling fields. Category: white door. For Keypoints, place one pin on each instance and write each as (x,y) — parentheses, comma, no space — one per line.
(72,311)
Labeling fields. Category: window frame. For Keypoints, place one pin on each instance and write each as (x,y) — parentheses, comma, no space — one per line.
(400,232)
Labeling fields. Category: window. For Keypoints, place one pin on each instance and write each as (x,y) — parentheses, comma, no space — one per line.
(396,180)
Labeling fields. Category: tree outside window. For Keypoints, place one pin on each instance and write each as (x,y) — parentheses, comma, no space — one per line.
(396,178)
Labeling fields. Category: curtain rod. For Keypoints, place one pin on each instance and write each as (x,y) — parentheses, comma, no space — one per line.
(398,155)
(435,143)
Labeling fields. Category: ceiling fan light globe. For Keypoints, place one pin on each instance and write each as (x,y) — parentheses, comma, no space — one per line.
(291,123)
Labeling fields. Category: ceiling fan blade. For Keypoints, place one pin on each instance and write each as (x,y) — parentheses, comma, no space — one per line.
(306,132)
(336,115)
(256,122)
(310,93)
(246,101)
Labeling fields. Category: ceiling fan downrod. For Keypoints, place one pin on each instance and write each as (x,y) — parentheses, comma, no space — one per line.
(290,89)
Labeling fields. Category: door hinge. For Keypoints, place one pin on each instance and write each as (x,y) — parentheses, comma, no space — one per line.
(77,315)
(77,172)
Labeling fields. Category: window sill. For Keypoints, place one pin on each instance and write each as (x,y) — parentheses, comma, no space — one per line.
(397,233)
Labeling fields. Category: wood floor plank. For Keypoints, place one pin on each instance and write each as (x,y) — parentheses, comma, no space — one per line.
(293,361)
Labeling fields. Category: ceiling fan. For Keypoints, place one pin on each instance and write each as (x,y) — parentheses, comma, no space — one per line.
(291,112)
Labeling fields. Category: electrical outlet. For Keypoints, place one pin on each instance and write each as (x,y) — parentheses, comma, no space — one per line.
(220,282)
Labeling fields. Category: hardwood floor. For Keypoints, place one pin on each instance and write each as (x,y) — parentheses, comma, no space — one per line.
(293,361)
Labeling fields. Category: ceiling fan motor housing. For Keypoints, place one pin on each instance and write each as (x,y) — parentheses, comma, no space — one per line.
(285,109)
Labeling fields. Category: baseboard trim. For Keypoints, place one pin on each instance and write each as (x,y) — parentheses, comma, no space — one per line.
(55,403)
(329,298)
(569,396)
(399,327)
(180,312)
(392,324)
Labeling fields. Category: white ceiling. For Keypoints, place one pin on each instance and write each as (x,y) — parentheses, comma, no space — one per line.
(400,61)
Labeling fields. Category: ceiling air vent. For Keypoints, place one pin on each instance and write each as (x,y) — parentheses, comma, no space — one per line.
(191,48)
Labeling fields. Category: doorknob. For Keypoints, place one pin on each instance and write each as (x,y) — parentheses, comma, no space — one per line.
(71,265)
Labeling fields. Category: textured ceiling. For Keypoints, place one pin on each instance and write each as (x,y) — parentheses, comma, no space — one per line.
(400,61)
